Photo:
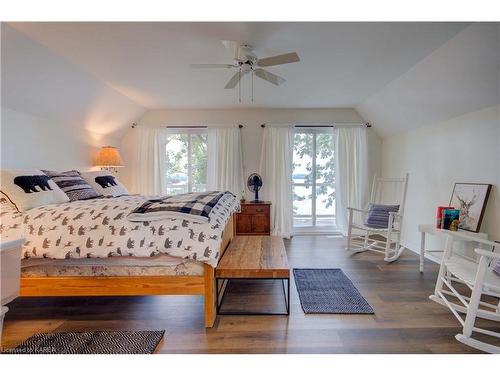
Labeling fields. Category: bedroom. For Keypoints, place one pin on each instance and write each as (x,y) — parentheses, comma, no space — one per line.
(194,187)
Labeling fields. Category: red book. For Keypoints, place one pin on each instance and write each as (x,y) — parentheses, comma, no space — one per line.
(439,215)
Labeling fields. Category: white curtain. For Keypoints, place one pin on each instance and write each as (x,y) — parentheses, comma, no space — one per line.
(224,160)
(151,173)
(351,168)
(276,170)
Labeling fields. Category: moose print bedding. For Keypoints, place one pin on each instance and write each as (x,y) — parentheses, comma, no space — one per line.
(99,228)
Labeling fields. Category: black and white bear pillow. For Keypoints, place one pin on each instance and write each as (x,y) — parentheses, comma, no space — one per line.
(29,188)
(105,183)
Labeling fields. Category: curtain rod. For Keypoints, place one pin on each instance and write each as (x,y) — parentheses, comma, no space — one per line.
(193,127)
(367,124)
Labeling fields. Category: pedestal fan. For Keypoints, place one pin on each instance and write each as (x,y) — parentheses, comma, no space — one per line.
(254,184)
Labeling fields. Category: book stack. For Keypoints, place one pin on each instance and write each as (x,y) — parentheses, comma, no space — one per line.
(451,219)
(439,215)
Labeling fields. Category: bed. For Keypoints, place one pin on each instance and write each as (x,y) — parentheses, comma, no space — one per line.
(90,248)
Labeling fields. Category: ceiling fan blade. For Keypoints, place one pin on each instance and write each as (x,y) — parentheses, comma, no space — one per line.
(233,46)
(268,76)
(211,66)
(286,58)
(234,80)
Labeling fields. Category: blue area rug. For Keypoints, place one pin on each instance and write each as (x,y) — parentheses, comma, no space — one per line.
(328,291)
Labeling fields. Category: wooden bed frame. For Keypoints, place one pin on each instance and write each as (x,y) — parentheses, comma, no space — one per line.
(133,285)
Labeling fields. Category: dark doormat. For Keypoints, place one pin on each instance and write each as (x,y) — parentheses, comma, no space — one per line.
(96,342)
(328,291)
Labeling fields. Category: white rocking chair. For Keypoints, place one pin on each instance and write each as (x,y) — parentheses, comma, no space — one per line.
(384,191)
(481,280)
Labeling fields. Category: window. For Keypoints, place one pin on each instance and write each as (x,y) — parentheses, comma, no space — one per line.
(313,180)
(186,161)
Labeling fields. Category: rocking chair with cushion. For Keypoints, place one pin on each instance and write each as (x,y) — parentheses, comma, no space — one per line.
(378,228)
(482,279)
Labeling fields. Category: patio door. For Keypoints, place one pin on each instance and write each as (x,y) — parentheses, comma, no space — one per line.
(314,180)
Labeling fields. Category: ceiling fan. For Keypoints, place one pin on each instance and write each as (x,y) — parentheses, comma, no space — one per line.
(245,61)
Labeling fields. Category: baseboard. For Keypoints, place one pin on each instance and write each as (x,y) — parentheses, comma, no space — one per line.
(318,233)
(411,247)
(416,250)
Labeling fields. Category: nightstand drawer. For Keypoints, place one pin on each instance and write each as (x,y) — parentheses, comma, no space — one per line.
(256,209)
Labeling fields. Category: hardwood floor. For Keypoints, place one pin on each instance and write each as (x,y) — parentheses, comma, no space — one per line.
(405,321)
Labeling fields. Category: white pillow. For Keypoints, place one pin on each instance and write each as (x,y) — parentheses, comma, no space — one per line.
(29,188)
(105,183)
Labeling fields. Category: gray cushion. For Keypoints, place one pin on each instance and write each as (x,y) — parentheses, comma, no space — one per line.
(496,268)
(378,215)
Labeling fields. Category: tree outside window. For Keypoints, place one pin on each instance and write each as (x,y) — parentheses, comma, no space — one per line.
(186,162)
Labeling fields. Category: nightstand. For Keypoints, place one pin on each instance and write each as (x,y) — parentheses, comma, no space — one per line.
(254,219)
(10,272)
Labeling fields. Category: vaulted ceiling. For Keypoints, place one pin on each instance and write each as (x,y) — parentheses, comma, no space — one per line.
(459,77)
(389,72)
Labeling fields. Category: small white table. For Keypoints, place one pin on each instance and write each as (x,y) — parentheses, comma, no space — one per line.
(10,272)
(460,235)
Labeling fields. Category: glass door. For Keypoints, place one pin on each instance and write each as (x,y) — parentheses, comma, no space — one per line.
(314,180)
(186,152)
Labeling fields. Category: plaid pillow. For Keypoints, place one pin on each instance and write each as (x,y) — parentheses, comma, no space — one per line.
(72,183)
(378,215)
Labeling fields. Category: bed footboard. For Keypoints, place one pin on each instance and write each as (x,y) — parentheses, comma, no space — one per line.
(133,285)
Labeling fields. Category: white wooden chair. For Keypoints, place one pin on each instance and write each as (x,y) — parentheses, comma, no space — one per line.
(384,191)
(479,277)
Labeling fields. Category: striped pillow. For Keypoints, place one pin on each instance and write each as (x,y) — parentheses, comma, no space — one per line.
(378,215)
(72,183)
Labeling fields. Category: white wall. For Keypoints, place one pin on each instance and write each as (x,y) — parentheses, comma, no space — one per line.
(251,119)
(53,114)
(462,149)
(38,81)
(29,141)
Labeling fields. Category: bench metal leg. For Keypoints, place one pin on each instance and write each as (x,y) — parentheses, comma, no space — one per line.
(225,283)
(286,294)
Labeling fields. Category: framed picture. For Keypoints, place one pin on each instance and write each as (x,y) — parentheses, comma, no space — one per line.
(470,199)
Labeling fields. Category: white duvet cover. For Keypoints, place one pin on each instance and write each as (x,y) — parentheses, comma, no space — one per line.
(99,228)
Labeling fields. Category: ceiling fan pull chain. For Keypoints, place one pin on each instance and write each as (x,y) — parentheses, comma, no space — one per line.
(252,85)
(239,86)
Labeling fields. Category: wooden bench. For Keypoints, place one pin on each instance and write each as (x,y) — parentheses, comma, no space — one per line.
(253,257)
